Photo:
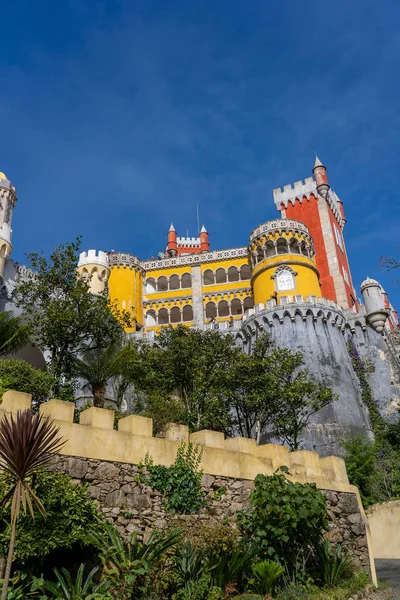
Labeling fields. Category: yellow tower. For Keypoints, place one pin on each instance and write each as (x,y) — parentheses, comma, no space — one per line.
(94,266)
(126,285)
(282,259)
(8,198)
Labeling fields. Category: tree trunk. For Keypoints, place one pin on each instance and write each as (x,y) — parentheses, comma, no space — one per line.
(98,395)
(2,566)
(9,561)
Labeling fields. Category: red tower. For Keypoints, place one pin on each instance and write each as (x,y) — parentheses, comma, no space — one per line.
(204,242)
(172,246)
(314,203)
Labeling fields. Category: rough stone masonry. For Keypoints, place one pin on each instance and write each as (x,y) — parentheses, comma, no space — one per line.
(135,507)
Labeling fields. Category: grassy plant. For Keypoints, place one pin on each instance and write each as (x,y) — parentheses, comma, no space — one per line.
(76,588)
(334,564)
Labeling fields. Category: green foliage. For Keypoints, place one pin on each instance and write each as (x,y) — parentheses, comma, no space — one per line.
(359,458)
(285,519)
(192,367)
(215,593)
(54,294)
(77,587)
(180,483)
(215,538)
(229,569)
(20,376)
(333,564)
(71,518)
(373,466)
(266,573)
(14,333)
(311,592)
(129,563)
(97,366)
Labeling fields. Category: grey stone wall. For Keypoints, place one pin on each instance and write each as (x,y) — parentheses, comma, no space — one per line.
(318,334)
(135,507)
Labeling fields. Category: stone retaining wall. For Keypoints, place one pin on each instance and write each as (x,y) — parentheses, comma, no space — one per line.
(135,507)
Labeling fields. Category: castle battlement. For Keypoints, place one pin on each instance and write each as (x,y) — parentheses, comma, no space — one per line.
(296,191)
(94,437)
(188,241)
(93,257)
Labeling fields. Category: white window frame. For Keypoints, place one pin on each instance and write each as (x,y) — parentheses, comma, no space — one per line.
(346,276)
(290,283)
(339,238)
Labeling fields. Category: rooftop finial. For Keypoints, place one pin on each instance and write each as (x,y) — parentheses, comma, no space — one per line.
(172,228)
(203,229)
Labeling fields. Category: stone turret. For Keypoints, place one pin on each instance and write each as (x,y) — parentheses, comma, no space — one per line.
(94,265)
(374,302)
(8,198)
(321,178)
(204,241)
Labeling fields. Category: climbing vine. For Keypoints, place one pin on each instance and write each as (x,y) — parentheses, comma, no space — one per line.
(180,484)
(361,370)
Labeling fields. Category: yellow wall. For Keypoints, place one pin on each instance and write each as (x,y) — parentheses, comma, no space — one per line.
(126,287)
(306,280)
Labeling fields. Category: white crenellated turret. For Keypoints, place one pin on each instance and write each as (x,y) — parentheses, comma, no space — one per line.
(95,265)
(374,301)
(8,198)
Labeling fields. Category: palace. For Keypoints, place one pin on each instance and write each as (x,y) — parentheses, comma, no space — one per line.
(293,280)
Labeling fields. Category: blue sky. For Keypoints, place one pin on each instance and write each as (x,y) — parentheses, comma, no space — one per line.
(120,116)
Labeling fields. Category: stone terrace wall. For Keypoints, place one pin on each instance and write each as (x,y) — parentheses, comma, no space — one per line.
(107,459)
(135,507)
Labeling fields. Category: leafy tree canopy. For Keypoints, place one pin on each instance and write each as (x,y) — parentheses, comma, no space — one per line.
(66,316)
(21,376)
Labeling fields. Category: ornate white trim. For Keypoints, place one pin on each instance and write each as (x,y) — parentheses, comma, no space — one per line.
(279,225)
(194,259)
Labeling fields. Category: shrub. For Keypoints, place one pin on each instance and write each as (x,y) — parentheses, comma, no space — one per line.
(22,377)
(214,538)
(180,483)
(266,573)
(334,564)
(69,587)
(71,519)
(285,519)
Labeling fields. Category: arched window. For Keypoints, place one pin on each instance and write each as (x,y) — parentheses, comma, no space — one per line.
(236,307)
(211,310)
(223,309)
(187,313)
(151,319)
(208,277)
(260,254)
(174,283)
(163,317)
(162,284)
(186,280)
(285,280)
(220,276)
(150,285)
(248,303)
(93,271)
(245,272)
(294,246)
(269,249)
(282,247)
(233,274)
(175,315)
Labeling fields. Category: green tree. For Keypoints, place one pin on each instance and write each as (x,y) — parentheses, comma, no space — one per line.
(14,333)
(297,397)
(67,317)
(22,377)
(270,390)
(97,366)
(193,367)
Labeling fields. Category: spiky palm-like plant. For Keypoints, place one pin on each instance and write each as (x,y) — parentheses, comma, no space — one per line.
(27,443)
(14,334)
(97,366)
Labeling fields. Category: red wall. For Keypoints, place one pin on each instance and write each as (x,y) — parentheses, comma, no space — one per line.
(307,212)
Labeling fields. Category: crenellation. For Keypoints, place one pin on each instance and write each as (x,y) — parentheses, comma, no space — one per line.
(94,437)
